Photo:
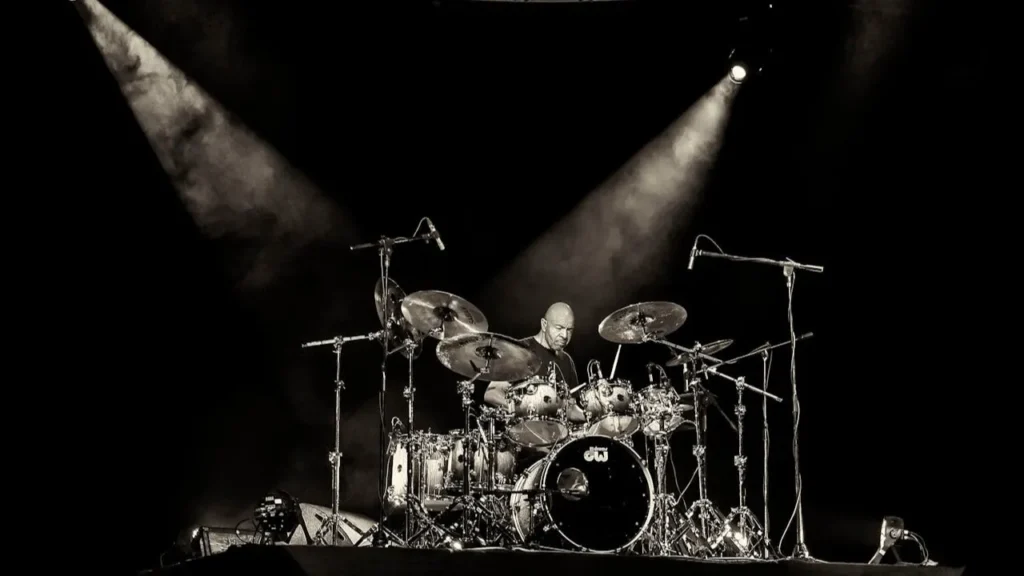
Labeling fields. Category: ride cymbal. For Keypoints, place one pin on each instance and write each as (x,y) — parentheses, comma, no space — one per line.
(491,356)
(442,315)
(638,323)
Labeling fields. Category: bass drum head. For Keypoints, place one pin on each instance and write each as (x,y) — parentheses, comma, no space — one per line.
(602,494)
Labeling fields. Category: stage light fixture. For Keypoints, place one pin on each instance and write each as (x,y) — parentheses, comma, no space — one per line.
(737,73)
(276,517)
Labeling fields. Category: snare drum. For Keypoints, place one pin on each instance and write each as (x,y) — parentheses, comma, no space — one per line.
(609,409)
(592,494)
(504,465)
(661,410)
(538,416)
(429,463)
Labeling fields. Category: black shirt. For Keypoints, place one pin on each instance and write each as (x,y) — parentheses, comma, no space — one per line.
(560,362)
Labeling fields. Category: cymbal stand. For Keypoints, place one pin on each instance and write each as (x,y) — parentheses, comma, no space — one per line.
(706,519)
(668,525)
(385,248)
(333,524)
(410,394)
(789,269)
(742,530)
(472,511)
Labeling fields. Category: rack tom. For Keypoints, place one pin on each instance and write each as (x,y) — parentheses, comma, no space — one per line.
(661,410)
(538,417)
(609,409)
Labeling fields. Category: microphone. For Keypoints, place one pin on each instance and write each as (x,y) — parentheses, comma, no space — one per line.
(892,531)
(600,375)
(693,252)
(663,379)
(650,373)
(437,237)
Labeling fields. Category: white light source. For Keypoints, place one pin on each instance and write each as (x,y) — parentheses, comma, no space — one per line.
(737,73)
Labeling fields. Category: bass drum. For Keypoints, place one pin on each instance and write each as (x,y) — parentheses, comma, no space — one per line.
(592,494)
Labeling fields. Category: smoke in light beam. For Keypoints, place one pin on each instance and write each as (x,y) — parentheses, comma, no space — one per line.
(604,249)
(234,184)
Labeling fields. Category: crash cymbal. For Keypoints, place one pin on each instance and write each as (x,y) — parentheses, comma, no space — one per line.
(442,315)
(497,357)
(404,337)
(642,322)
(703,350)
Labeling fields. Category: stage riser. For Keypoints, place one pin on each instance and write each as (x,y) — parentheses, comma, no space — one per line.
(350,561)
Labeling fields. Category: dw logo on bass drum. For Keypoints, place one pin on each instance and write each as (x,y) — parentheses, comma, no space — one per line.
(596,454)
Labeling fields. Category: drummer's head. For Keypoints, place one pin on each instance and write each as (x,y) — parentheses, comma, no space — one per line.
(557,325)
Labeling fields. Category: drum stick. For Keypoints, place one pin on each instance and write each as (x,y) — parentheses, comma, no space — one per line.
(615,364)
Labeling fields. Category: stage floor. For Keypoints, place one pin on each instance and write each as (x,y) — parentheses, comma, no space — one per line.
(338,561)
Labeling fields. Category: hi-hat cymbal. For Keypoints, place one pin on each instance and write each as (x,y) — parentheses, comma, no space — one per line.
(642,322)
(493,356)
(442,315)
(703,350)
(391,311)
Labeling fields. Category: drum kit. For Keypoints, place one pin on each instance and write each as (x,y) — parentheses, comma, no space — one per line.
(590,490)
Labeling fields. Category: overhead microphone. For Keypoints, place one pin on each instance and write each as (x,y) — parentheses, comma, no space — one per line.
(650,373)
(693,253)
(435,234)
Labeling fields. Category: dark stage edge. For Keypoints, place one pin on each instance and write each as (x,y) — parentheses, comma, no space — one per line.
(333,561)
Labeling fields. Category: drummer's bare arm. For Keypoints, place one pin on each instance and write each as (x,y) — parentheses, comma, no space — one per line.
(496,394)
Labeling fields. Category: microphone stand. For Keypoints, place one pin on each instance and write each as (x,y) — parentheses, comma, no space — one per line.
(333,524)
(789,268)
(385,247)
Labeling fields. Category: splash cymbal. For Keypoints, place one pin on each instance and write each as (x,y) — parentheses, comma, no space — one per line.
(642,322)
(442,315)
(492,356)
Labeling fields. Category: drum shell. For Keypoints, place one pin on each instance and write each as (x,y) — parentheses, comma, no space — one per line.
(429,470)
(504,466)
(609,409)
(538,414)
(611,517)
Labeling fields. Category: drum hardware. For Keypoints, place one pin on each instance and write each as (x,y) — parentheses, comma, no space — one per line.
(642,322)
(709,349)
(705,518)
(481,356)
(742,529)
(385,249)
(765,352)
(333,524)
(789,269)
(670,533)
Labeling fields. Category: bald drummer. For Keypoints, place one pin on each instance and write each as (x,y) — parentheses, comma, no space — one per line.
(548,344)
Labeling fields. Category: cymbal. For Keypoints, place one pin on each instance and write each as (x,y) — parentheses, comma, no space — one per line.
(642,322)
(498,357)
(704,350)
(442,315)
(401,330)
